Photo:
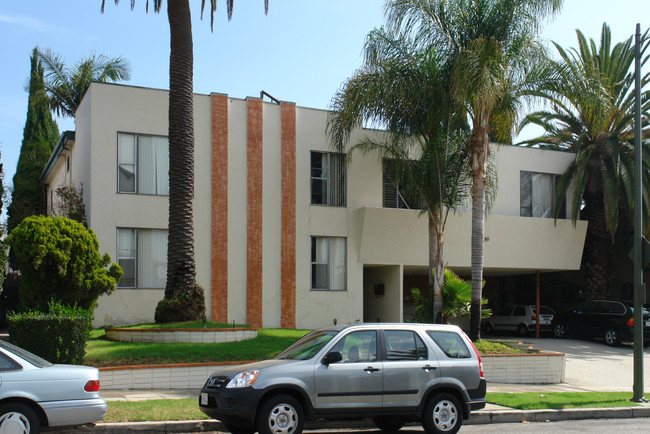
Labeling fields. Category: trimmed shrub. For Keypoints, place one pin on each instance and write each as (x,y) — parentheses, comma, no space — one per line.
(59,336)
(59,260)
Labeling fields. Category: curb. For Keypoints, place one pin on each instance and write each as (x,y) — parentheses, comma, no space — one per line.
(477,418)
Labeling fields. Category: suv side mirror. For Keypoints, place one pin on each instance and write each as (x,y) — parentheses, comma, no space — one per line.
(332,357)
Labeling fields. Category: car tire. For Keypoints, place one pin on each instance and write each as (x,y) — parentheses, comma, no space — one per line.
(612,337)
(236,429)
(281,414)
(17,417)
(388,424)
(522,330)
(442,414)
(489,328)
(560,330)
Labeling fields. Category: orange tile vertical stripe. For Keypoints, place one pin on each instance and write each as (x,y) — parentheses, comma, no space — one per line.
(288,216)
(254,149)
(219,218)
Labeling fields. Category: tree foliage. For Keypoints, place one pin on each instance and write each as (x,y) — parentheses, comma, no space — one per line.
(39,138)
(70,203)
(66,86)
(59,260)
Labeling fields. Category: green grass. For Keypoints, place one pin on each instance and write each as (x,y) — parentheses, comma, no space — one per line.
(183,325)
(101,352)
(559,400)
(152,410)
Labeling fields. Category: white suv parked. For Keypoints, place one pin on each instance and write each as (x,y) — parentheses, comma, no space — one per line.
(519,318)
(393,373)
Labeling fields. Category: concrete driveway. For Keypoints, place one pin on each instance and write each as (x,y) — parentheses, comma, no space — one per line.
(590,366)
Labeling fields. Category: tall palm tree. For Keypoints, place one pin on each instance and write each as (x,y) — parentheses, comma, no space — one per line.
(66,86)
(184,298)
(490,45)
(404,89)
(591,102)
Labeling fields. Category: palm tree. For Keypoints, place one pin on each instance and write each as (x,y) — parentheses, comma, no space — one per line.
(66,86)
(405,90)
(184,299)
(591,100)
(490,45)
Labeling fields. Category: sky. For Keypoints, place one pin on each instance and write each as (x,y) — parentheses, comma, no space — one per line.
(302,51)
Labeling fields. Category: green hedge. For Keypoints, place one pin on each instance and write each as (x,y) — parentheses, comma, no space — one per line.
(56,337)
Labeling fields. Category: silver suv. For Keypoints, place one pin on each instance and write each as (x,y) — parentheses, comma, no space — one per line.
(393,373)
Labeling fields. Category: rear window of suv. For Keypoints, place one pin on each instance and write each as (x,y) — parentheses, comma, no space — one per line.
(452,344)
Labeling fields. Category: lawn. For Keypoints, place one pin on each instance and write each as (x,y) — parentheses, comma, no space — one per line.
(559,400)
(101,352)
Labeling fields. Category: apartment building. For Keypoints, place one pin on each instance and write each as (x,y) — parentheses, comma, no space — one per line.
(287,232)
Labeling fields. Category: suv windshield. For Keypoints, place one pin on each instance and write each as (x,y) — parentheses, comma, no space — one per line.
(307,346)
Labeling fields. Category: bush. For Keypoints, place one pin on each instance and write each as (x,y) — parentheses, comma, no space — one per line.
(59,260)
(59,336)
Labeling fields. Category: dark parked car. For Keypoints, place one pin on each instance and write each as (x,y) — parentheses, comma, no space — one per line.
(612,321)
(393,373)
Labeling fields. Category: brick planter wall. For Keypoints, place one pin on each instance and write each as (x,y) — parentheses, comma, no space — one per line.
(539,368)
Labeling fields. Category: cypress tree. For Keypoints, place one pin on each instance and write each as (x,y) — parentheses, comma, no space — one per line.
(39,138)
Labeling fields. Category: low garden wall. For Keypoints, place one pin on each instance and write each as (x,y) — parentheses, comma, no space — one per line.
(197,336)
(534,368)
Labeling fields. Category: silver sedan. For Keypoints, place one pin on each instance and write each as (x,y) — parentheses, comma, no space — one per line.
(35,393)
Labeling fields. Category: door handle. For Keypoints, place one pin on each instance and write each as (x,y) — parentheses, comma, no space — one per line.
(429,367)
(370,369)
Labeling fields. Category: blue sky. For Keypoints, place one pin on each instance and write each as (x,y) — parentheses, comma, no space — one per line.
(301,52)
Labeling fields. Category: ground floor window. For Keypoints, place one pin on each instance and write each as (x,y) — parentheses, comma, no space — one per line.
(142,254)
(328,263)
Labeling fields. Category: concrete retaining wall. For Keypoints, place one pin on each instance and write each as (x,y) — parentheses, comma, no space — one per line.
(541,368)
(197,336)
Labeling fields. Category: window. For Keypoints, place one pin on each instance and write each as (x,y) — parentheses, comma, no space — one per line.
(327,179)
(404,345)
(143,164)
(142,254)
(538,194)
(451,344)
(358,346)
(519,311)
(395,195)
(328,264)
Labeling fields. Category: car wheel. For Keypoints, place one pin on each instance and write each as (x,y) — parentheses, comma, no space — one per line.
(19,418)
(560,330)
(612,337)
(522,330)
(489,328)
(281,414)
(388,424)
(236,429)
(443,414)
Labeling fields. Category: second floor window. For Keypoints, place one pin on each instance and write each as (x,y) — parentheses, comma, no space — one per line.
(327,178)
(537,195)
(394,194)
(142,164)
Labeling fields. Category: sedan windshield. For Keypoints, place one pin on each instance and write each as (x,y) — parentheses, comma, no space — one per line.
(307,346)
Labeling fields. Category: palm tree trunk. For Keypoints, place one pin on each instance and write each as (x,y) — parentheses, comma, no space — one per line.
(184,299)
(479,143)
(597,259)
(436,265)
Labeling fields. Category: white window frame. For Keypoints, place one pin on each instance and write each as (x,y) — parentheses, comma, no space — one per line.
(330,264)
(138,251)
(160,173)
(335,189)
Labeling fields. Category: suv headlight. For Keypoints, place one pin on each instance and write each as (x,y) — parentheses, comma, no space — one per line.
(243,379)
